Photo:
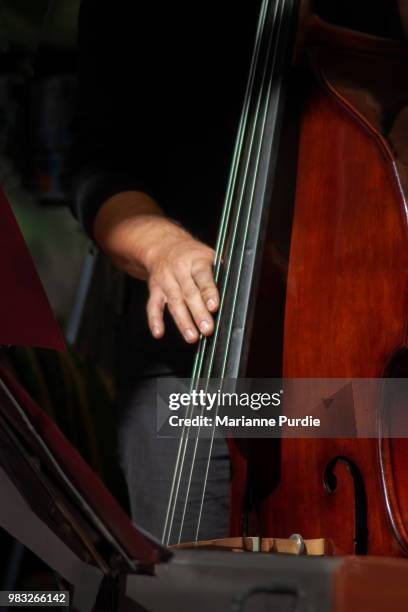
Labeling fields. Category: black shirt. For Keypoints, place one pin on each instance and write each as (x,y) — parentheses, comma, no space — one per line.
(161,90)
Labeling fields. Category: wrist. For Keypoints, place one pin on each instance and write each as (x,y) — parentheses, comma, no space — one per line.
(133,231)
(161,235)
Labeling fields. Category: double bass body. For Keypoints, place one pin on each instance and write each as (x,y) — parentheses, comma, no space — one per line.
(332,299)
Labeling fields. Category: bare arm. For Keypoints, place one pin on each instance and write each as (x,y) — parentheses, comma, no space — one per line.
(132,229)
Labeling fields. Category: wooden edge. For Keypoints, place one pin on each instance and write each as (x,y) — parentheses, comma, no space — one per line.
(370,129)
(313,547)
(315,31)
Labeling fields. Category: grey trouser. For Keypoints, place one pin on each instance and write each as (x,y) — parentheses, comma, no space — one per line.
(148,464)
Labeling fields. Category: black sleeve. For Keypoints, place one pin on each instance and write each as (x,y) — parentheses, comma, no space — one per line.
(161,88)
(116,140)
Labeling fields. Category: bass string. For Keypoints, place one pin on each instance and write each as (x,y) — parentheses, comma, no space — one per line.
(237,162)
(220,246)
(233,249)
(273,35)
(186,499)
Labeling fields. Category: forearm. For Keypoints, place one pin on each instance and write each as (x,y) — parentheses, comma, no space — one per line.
(129,227)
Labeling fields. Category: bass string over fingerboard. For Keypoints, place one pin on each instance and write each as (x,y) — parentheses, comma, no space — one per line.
(239,242)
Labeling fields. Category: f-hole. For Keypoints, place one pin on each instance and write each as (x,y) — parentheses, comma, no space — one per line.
(360,500)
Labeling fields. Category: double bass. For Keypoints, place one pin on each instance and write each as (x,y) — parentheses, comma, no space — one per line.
(312,265)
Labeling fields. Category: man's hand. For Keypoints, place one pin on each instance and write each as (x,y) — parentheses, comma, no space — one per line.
(131,228)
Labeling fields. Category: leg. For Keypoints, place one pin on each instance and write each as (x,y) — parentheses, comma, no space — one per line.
(148,463)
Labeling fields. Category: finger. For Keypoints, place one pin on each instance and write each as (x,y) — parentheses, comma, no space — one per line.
(195,303)
(155,309)
(204,279)
(179,312)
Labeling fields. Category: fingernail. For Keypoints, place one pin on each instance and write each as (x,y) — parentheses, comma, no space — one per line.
(156,331)
(211,304)
(204,326)
(189,334)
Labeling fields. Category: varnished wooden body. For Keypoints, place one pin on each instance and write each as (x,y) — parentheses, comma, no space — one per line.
(333,306)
